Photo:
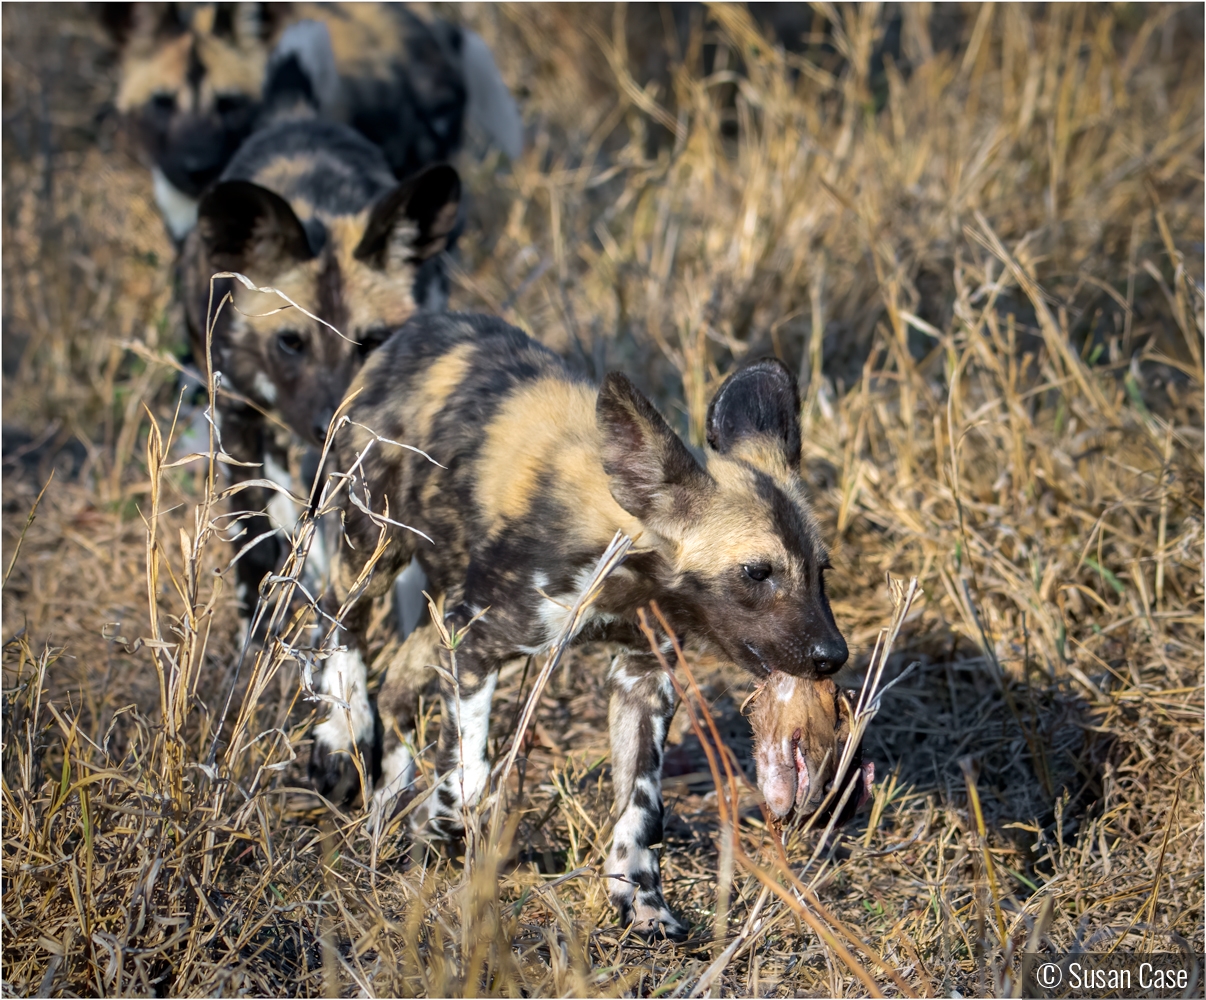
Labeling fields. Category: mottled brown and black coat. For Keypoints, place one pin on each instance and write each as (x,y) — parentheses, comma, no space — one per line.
(195,82)
(311,209)
(532,472)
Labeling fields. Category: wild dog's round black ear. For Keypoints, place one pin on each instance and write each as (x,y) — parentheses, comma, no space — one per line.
(244,226)
(301,69)
(431,199)
(118,21)
(760,399)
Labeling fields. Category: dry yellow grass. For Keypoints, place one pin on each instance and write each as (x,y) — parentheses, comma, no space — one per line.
(984,254)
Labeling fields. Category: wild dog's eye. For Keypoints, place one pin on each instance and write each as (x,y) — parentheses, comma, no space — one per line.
(370,340)
(291,343)
(164,102)
(758,572)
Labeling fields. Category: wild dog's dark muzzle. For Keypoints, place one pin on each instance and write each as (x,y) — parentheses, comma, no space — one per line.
(801,648)
(322,420)
(191,175)
(197,152)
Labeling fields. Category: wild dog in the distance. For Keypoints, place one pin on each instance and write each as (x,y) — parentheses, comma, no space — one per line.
(192,78)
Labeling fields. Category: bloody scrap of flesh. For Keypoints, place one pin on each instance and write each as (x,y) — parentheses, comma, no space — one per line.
(801,727)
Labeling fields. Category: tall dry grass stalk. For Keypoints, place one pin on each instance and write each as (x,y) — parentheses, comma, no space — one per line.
(981,248)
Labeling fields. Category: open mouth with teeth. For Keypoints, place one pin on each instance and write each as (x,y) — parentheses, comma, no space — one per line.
(801,727)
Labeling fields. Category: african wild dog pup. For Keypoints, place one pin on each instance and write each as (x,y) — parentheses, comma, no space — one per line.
(192,82)
(537,471)
(312,209)
(189,89)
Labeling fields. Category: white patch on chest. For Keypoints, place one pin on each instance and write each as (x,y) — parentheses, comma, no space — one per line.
(282,511)
(178,209)
(554,611)
(263,385)
(285,514)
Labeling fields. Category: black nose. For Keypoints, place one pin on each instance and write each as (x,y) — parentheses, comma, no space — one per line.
(197,152)
(322,421)
(829,655)
(192,174)
(199,180)
(199,160)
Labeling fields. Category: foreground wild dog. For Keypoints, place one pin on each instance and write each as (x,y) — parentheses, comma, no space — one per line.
(312,209)
(537,471)
(192,78)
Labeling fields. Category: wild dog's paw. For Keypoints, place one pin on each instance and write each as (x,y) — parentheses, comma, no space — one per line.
(663,924)
(333,771)
(636,892)
(439,819)
(646,911)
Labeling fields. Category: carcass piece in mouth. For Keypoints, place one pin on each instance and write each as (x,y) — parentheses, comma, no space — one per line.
(801,727)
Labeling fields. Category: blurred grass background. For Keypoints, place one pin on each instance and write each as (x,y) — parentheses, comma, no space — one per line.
(977,234)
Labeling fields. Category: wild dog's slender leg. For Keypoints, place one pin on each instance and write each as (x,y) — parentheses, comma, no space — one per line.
(464,727)
(407,675)
(245,437)
(332,767)
(641,706)
(344,730)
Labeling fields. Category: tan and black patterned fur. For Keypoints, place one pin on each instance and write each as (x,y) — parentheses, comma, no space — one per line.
(190,85)
(537,469)
(312,209)
(194,84)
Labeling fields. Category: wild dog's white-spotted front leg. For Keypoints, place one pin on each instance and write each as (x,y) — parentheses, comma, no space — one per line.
(642,704)
(350,725)
(462,755)
(397,774)
(332,765)
(408,674)
(464,729)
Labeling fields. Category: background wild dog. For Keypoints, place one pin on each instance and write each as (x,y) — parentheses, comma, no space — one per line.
(192,79)
(190,84)
(310,208)
(538,469)
(407,83)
